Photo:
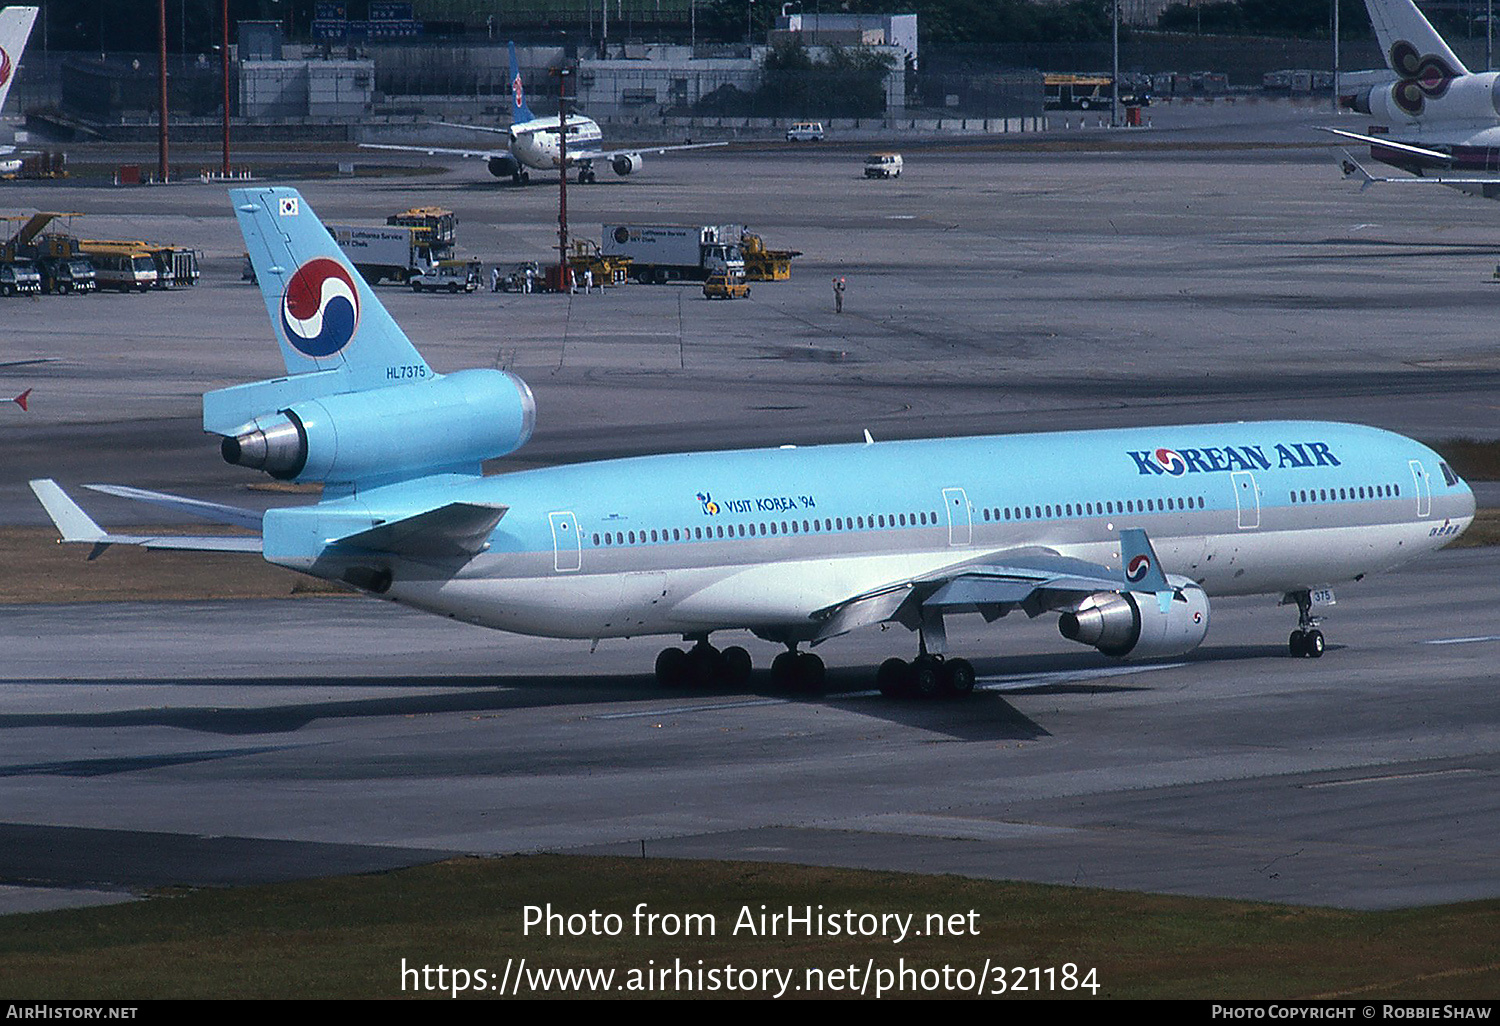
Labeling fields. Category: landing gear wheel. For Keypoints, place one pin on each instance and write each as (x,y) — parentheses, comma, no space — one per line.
(958,677)
(809,673)
(1295,642)
(671,667)
(892,678)
(737,666)
(926,676)
(704,665)
(1313,646)
(784,670)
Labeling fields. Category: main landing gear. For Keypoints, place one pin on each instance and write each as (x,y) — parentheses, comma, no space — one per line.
(927,676)
(521,177)
(703,666)
(586,175)
(1306,641)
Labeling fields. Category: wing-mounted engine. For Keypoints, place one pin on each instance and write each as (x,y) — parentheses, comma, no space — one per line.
(626,163)
(450,423)
(1138,624)
(504,166)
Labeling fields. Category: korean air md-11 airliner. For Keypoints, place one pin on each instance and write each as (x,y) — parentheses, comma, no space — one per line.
(1126,534)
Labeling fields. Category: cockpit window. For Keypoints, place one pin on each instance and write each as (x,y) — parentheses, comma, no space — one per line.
(1448,475)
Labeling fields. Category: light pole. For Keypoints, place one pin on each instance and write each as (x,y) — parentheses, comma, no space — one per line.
(749,31)
(1114,86)
(1335,56)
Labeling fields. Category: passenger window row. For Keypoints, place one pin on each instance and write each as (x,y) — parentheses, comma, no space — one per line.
(1094,509)
(1385,491)
(713,532)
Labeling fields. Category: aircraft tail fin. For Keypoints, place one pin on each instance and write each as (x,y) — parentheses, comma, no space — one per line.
(1412,47)
(518,110)
(15,27)
(323,313)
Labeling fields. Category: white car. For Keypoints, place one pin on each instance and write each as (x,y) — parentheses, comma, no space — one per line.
(805,131)
(883,165)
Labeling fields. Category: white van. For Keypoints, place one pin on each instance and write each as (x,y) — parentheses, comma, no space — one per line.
(883,165)
(805,131)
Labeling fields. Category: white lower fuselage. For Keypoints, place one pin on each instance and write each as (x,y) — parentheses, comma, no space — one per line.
(619,548)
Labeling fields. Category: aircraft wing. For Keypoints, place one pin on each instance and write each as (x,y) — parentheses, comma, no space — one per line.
(459,530)
(77,526)
(1032,580)
(1390,144)
(472,128)
(636,150)
(433,151)
(1350,166)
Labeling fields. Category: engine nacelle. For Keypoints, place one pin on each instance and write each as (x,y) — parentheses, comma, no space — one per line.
(504,167)
(454,422)
(1473,98)
(1133,624)
(1359,102)
(626,163)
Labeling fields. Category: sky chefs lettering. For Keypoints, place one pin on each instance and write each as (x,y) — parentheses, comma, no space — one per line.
(1210,460)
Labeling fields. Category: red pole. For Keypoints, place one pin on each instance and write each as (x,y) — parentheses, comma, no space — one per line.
(562,183)
(225,49)
(161,133)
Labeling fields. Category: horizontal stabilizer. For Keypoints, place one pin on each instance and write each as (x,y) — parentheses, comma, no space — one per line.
(1390,144)
(459,530)
(71,521)
(77,526)
(234,516)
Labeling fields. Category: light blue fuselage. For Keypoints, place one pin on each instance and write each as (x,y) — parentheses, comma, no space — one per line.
(768,538)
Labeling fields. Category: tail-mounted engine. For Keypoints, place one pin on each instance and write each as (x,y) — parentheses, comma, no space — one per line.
(1134,624)
(451,423)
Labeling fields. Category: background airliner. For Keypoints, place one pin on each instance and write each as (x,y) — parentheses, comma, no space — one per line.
(1437,120)
(15,28)
(1124,533)
(536,143)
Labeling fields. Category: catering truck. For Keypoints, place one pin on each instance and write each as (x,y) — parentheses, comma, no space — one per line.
(674,252)
(380,252)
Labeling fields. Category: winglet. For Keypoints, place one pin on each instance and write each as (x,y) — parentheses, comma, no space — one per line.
(72,522)
(1142,569)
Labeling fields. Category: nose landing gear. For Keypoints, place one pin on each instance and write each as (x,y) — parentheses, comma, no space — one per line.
(1306,641)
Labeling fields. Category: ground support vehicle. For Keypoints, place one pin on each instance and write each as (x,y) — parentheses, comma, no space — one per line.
(449,276)
(762,264)
(672,252)
(608,270)
(19,277)
(726,286)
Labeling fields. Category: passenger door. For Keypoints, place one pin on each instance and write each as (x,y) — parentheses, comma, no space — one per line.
(567,547)
(1247,499)
(960,523)
(1424,488)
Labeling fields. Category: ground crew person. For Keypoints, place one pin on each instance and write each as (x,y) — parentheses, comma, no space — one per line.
(838,295)
(494,279)
(529,274)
